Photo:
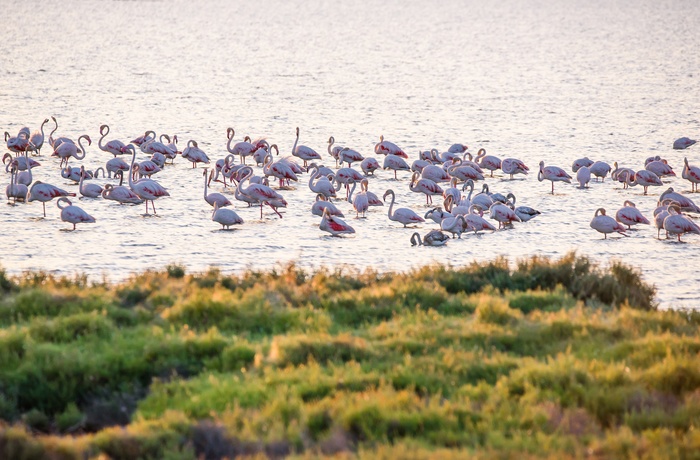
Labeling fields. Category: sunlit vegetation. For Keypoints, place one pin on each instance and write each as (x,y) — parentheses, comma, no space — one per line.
(541,358)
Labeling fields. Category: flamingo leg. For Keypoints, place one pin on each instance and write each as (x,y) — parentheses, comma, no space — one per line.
(44,204)
(153,205)
(261,204)
(552,187)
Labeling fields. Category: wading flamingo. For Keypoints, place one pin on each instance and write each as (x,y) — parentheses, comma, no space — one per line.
(73,214)
(404,216)
(606,224)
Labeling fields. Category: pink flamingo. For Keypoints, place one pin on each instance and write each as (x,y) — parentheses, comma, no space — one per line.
(73,214)
(629,215)
(435,173)
(369,165)
(503,215)
(388,148)
(320,184)
(243,149)
(678,224)
(25,177)
(490,162)
(457,148)
(660,167)
(580,163)
(360,202)
(404,216)
(67,149)
(334,225)
(262,194)
(372,199)
(432,238)
(146,137)
(514,166)
(40,191)
(454,224)
(692,174)
(17,144)
(349,156)
(600,169)
(115,146)
(344,176)
(685,203)
(553,173)
(475,220)
(280,169)
(194,154)
(86,189)
(303,152)
(583,176)
(643,177)
(36,141)
(426,186)
(120,194)
(606,224)
(321,204)
(464,172)
(14,190)
(334,151)
(396,163)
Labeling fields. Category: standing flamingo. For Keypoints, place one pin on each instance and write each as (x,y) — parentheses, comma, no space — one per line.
(553,173)
(40,191)
(73,214)
(68,149)
(349,156)
(36,141)
(514,166)
(262,194)
(432,238)
(280,169)
(525,213)
(360,202)
(396,163)
(320,184)
(454,224)
(14,190)
(388,148)
(86,189)
(580,163)
(457,148)
(600,169)
(678,224)
(660,167)
(369,165)
(25,177)
(629,215)
(426,186)
(334,151)
(243,149)
(194,154)
(120,194)
(304,152)
(225,217)
(115,146)
(334,225)
(404,216)
(490,162)
(583,176)
(606,224)
(321,204)
(372,199)
(692,174)
(503,214)
(146,189)
(475,220)
(214,198)
(642,177)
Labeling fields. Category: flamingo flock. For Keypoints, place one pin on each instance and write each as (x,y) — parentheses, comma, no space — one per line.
(449,176)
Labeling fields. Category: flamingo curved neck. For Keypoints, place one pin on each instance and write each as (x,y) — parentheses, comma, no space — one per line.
(81,148)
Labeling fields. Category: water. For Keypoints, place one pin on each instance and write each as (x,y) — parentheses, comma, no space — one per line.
(552,81)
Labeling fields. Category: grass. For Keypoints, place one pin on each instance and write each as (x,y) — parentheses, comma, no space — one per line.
(541,359)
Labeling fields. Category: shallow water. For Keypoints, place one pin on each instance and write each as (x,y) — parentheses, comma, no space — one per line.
(550,81)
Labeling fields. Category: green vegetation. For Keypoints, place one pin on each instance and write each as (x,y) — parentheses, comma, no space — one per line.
(553,359)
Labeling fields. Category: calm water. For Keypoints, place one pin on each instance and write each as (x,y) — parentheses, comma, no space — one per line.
(553,81)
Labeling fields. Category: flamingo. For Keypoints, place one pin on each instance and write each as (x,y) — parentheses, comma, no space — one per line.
(482,199)
(432,238)
(437,215)
(683,143)
(686,204)
(243,149)
(692,174)
(643,177)
(444,157)
(369,165)
(120,194)
(418,165)
(214,198)
(372,199)
(88,190)
(583,176)
(388,148)
(226,217)
(304,152)
(600,169)
(115,146)
(525,213)
(36,141)
(360,202)
(475,220)
(344,175)
(334,225)
(503,215)
(279,169)
(73,214)
(147,137)
(457,148)
(67,149)
(660,214)
(349,156)
(580,163)
(194,154)
(146,189)
(453,190)
(145,168)
(402,215)
(606,224)
(454,208)
(262,194)
(14,190)
(73,174)
(55,143)
(17,144)
(396,163)
(463,171)
(321,204)
(321,184)
(426,186)
(116,165)
(615,174)
(435,173)
(553,173)
(490,162)
(25,177)
(514,166)
(467,160)
(678,224)
(454,224)
(40,191)
(629,215)
(322,170)
(172,145)
(660,168)
(334,151)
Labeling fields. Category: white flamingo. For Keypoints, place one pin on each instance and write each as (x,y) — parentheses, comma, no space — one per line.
(678,224)
(68,149)
(194,154)
(360,202)
(388,148)
(583,176)
(514,166)
(455,225)
(262,194)
(87,189)
(404,216)
(426,186)
(321,204)
(73,214)
(25,177)
(525,213)
(433,238)
(600,169)
(214,198)
(396,163)
(36,141)
(692,174)
(225,217)
(14,190)
(435,173)
(606,224)
(320,184)
(369,165)
(334,225)
(490,162)
(554,174)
